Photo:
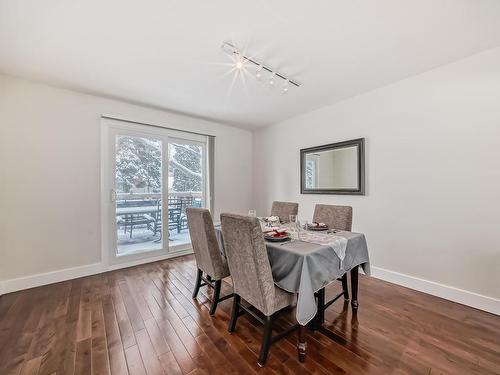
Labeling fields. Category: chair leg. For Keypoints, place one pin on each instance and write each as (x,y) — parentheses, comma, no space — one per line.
(234,313)
(215,299)
(197,284)
(345,286)
(266,340)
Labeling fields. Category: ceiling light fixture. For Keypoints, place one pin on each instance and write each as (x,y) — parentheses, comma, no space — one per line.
(242,59)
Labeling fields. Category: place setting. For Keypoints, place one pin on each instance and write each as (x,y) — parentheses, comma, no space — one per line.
(276,230)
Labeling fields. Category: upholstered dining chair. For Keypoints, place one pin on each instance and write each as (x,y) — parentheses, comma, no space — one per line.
(252,278)
(209,259)
(284,209)
(336,217)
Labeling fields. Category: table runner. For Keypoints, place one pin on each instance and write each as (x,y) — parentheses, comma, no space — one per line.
(304,268)
(337,243)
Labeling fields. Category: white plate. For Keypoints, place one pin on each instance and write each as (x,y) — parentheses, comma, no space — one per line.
(276,239)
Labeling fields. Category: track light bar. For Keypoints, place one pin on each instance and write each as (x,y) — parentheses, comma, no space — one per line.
(231,49)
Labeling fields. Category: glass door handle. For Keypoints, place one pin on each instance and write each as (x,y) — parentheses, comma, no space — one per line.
(112,195)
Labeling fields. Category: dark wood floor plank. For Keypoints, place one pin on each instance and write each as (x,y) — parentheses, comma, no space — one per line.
(83,364)
(148,354)
(84,325)
(7,301)
(134,361)
(117,362)
(180,353)
(67,361)
(132,276)
(192,327)
(54,350)
(31,366)
(133,312)
(159,344)
(169,364)
(163,286)
(143,320)
(100,355)
(126,330)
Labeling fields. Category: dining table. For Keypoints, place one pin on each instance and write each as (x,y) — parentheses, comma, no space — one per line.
(307,263)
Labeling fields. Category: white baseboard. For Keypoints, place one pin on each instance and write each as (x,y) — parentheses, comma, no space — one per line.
(14,285)
(464,297)
(137,262)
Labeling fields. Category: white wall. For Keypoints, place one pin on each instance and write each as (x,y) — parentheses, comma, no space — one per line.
(50,173)
(432,208)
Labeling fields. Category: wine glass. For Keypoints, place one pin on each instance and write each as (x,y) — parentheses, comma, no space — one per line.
(303,229)
(306,224)
(291,226)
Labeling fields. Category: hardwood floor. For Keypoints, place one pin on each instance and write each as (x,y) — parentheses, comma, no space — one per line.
(142,320)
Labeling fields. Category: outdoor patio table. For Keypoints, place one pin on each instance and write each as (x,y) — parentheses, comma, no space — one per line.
(136,210)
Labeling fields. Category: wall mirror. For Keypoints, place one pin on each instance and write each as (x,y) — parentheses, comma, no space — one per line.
(336,168)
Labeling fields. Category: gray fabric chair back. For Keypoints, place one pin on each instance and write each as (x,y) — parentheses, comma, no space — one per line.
(248,262)
(336,217)
(203,238)
(284,209)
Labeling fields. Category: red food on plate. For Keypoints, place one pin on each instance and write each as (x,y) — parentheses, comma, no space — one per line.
(276,234)
(280,234)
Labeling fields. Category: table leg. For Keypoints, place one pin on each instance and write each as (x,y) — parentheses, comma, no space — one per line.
(320,315)
(354,289)
(302,344)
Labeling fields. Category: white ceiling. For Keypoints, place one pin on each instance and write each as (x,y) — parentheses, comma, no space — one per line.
(167,53)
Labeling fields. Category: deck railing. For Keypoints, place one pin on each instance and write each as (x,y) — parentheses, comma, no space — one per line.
(128,216)
(156,196)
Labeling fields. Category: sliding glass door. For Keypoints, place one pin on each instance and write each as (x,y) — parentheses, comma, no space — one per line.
(138,187)
(186,185)
(152,175)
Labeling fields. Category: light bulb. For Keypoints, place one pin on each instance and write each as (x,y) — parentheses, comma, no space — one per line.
(239,65)
(271,79)
(258,72)
(286,87)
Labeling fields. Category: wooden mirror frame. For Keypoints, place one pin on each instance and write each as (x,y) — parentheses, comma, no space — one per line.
(360,190)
